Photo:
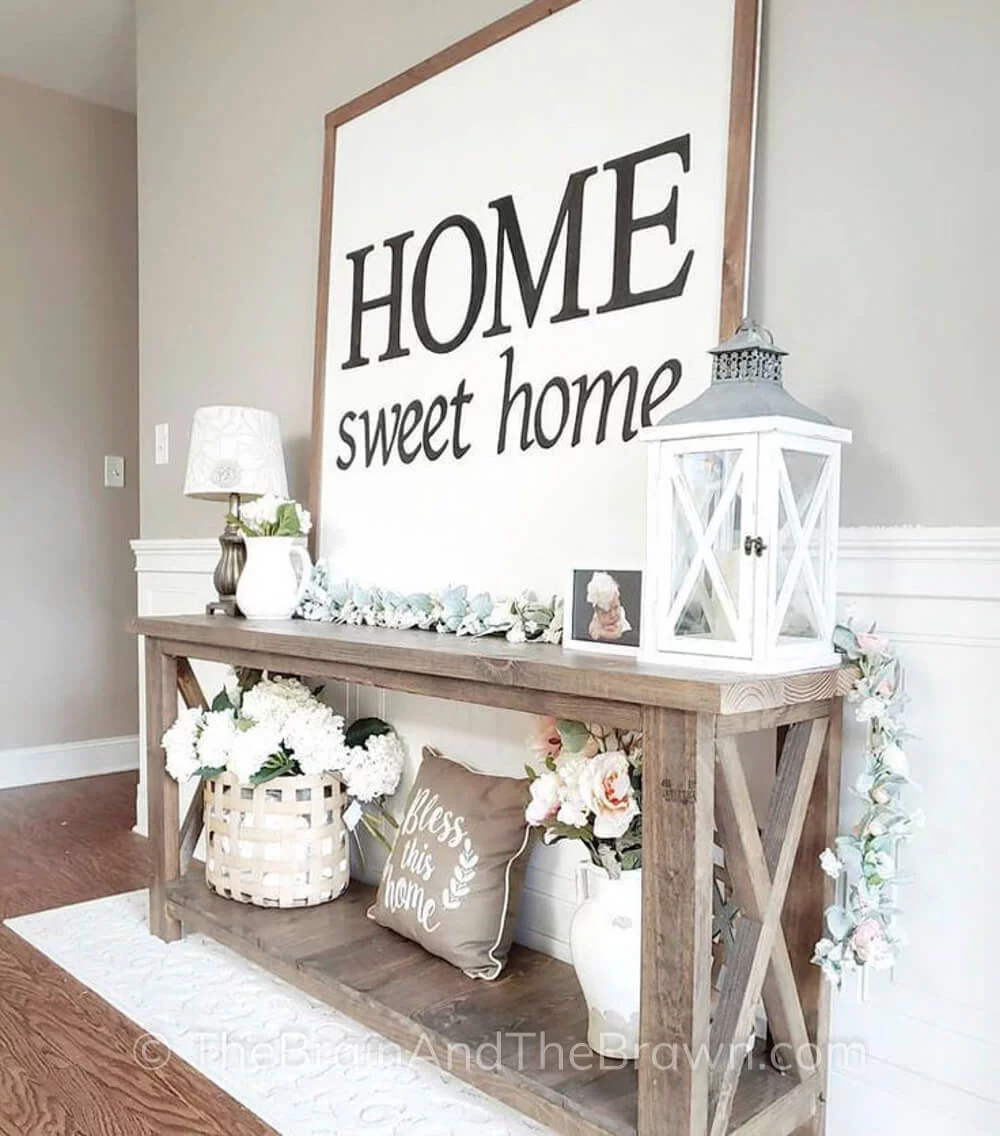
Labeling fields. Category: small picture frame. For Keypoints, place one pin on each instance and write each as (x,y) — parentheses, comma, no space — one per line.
(604,610)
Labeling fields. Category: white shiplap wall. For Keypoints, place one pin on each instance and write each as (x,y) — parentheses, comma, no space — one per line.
(930,1029)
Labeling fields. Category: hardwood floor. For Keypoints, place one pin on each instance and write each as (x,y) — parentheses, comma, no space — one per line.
(67,1063)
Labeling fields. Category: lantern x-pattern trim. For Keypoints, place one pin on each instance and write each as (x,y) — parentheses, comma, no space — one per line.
(743,515)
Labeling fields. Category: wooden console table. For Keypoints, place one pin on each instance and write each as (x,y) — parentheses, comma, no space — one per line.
(695,793)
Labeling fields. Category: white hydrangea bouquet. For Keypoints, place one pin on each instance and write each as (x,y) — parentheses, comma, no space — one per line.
(589,789)
(260,728)
(272,516)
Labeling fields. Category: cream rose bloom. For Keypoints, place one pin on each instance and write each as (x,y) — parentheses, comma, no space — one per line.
(572,814)
(544,803)
(607,793)
(569,771)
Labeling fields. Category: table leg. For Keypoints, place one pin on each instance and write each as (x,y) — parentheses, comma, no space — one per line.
(809,895)
(678,804)
(162,789)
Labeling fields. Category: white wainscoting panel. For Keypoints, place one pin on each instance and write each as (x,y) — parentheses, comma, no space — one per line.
(37,765)
(929,1030)
(174,577)
(931,1027)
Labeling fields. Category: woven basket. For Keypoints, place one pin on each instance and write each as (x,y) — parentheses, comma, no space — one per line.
(281,844)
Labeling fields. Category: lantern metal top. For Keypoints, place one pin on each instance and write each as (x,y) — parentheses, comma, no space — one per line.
(756,346)
(746,383)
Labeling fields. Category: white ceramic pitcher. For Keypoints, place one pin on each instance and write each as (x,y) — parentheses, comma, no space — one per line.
(605,938)
(269,587)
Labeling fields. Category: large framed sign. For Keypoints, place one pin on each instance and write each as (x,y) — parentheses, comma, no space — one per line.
(528,244)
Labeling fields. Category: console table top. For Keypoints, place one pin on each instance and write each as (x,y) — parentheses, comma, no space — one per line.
(493,661)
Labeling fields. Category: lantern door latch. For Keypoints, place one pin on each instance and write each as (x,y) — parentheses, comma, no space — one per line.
(754,544)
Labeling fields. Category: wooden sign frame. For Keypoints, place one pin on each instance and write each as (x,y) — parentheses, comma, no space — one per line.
(739,177)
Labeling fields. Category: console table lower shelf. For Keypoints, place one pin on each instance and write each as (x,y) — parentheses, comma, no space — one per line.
(534,1014)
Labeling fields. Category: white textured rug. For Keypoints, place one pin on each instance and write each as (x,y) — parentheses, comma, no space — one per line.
(299,1065)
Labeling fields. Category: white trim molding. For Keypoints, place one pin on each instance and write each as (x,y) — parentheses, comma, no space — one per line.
(38,765)
(188,557)
(937,563)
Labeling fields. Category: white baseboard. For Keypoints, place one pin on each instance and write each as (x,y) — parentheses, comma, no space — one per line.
(37,765)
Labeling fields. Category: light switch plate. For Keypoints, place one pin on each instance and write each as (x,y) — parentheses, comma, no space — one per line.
(114,472)
(161,444)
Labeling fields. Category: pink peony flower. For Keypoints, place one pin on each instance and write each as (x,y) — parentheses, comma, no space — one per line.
(871,644)
(546,741)
(607,792)
(867,939)
(871,947)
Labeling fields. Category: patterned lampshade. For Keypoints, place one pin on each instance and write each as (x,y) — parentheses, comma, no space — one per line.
(235,449)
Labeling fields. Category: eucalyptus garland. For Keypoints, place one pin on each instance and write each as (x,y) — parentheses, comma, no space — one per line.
(862,925)
(521,619)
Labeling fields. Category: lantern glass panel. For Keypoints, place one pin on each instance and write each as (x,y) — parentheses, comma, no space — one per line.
(805,471)
(800,617)
(706,597)
(803,485)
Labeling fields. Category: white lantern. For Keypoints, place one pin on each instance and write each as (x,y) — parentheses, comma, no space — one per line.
(743,503)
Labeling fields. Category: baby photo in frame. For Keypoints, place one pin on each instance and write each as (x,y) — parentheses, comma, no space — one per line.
(604,610)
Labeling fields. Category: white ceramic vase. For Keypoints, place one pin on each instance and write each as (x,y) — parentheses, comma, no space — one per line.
(605,938)
(269,587)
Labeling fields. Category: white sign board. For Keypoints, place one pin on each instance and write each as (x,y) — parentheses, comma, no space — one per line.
(525,267)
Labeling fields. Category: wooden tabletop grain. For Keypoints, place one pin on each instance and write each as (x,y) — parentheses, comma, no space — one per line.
(492,662)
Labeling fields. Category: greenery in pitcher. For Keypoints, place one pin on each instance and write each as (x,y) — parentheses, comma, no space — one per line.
(272,516)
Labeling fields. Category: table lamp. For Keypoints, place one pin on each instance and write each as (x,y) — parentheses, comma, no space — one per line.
(235,453)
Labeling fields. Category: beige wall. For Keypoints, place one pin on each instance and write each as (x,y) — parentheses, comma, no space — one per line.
(231,103)
(68,374)
(874,262)
(877,243)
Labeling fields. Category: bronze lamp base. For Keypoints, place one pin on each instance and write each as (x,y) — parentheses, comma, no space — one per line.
(231,561)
